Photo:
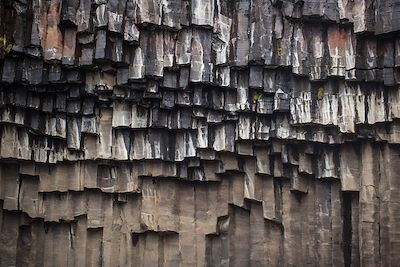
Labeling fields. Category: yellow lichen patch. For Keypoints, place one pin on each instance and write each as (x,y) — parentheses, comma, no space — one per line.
(8,48)
(279,51)
(256,96)
(4,45)
(320,93)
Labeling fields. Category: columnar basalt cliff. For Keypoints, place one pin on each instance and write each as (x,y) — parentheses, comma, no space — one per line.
(199,133)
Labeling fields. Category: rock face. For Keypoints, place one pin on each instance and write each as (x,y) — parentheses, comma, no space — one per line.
(199,133)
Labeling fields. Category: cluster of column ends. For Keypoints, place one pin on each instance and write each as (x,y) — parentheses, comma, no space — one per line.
(199,133)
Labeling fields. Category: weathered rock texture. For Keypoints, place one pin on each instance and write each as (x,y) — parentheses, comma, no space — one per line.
(199,133)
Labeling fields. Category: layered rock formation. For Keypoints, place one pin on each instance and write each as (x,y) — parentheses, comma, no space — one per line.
(199,133)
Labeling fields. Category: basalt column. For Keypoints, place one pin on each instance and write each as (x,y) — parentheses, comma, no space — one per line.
(199,133)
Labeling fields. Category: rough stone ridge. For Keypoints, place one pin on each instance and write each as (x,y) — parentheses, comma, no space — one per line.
(199,133)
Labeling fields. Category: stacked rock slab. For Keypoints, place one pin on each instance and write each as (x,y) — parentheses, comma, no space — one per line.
(199,133)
